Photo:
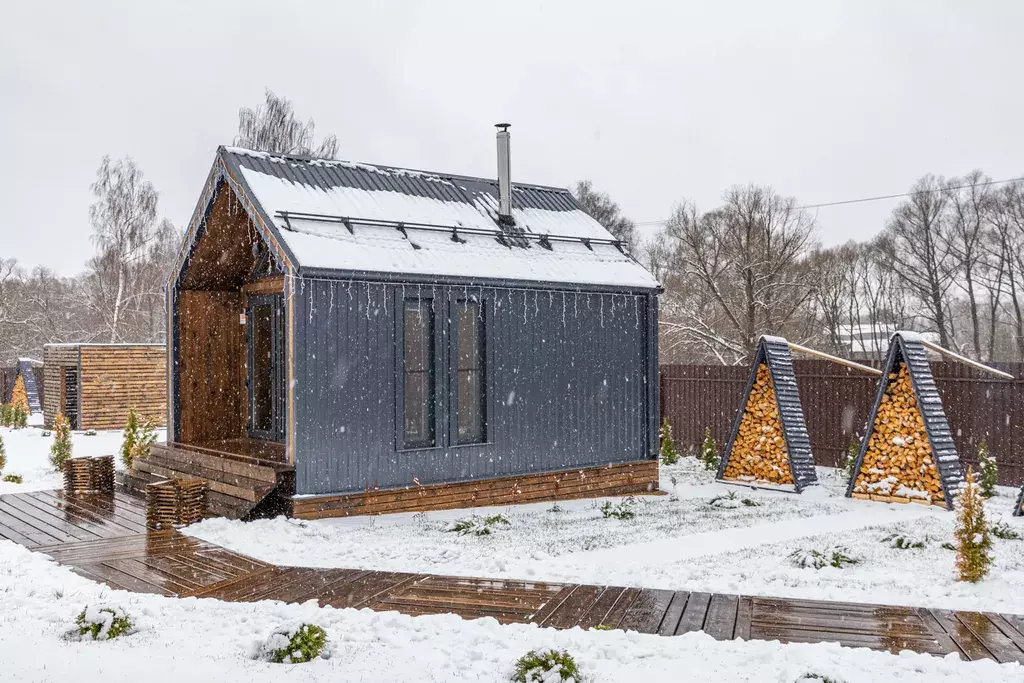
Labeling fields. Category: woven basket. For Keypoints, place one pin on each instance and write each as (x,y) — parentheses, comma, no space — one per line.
(175,502)
(89,475)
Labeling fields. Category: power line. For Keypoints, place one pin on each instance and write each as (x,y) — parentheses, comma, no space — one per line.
(880,197)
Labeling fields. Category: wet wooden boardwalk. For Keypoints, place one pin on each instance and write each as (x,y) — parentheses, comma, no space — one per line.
(103,537)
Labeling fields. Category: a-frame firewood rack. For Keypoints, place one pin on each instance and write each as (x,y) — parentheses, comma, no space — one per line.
(908,454)
(769,445)
(1018,509)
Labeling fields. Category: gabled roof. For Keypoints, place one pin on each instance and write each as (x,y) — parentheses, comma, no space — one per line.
(360,218)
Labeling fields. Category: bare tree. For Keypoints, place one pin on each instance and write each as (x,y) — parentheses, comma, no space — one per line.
(742,271)
(1008,218)
(606,212)
(273,127)
(916,243)
(125,232)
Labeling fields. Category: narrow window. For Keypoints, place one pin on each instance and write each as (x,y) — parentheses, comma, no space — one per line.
(471,369)
(419,373)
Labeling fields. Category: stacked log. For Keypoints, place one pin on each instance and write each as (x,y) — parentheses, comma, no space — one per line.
(758,453)
(898,465)
(175,502)
(89,475)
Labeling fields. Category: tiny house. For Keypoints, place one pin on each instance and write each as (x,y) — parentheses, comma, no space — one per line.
(348,338)
(95,385)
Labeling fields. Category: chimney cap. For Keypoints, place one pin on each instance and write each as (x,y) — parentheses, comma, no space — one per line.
(503,126)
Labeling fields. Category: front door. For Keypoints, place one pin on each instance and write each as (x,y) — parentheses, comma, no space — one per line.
(266,367)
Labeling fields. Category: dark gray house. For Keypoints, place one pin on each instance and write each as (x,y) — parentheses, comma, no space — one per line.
(349,338)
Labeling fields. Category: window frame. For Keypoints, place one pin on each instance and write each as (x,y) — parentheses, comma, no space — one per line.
(486,366)
(435,370)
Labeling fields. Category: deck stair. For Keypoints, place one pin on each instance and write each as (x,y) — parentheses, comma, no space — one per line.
(238,487)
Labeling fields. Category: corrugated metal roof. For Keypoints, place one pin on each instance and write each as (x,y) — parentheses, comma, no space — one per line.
(326,174)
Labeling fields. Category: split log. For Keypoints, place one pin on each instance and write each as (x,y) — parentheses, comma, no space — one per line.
(759,452)
(898,462)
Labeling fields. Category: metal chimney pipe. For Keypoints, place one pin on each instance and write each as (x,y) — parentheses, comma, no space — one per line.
(504,173)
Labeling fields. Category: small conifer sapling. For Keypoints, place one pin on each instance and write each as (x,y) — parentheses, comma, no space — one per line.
(972,535)
(60,451)
(988,470)
(709,451)
(669,454)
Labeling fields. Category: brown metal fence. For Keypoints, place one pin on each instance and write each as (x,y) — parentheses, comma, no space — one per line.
(837,401)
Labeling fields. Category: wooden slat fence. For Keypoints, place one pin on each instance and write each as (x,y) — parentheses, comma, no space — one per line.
(837,401)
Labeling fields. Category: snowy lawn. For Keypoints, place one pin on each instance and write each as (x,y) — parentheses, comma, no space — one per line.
(191,640)
(28,454)
(681,542)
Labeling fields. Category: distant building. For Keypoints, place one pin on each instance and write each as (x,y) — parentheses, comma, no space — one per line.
(866,341)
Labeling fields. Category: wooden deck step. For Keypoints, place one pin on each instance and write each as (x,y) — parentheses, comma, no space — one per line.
(252,469)
(252,490)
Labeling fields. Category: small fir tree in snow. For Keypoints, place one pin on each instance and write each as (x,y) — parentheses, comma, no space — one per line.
(61,448)
(19,397)
(988,470)
(709,451)
(5,415)
(3,455)
(138,438)
(19,417)
(551,666)
(101,623)
(972,535)
(294,644)
(850,458)
(669,454)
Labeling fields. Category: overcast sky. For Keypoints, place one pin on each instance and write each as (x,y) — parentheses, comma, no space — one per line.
(654,102)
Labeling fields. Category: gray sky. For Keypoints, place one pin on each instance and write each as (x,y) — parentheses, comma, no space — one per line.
(654,102)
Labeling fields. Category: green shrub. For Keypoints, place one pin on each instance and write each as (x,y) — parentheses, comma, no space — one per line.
(972,536)
(948,546)
(1004,531)
(708,453)
(102,623)
(850,458)
(478,526)
(902,542)
(18,416)
(988,470)
(623,510)
(89,432)
(725,501)
(669,454)
(61,448)
(547,667)
(138,439)
(294,645)
(13,478)
(5,415)
(818,559)
(811,676)
(3,455)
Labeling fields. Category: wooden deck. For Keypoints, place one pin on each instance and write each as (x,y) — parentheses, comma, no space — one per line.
(103,538)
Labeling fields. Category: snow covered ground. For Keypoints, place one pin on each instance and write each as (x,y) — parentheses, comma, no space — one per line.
(28,453)
(185,640)
(678,542)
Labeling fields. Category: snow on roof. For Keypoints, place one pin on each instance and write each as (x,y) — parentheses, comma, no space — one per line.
(377,193)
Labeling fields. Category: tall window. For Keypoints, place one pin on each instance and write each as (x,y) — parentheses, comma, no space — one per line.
(471,420)
(419,373)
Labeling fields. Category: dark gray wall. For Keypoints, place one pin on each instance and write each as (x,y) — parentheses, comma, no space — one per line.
(573,383)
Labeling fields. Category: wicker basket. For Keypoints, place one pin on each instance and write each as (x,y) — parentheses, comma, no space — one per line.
(175,502)
(89,475)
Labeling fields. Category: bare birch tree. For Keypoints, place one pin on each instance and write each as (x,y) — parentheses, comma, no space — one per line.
(273,127)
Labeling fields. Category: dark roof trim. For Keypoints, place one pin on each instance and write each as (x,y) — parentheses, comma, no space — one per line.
(456,281)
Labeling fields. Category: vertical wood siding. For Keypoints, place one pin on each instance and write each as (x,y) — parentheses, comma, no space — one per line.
(571,379)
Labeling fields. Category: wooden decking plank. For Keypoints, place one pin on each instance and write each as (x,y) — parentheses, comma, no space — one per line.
(720,623)
(257,583)
(366,593)
(1004,625)
(647,611)
(223,588)
(461,582)
(311,588)
(967,642)
(572,610)
(78,517)
(744,615)
(227,558)
(1003,648)
(196,561)
(694,613)
(552,604)
(31,537)
(788,605)
(291,577)
(528,604)
(670,621)
(116,578)
(879,642)
(44,521)
(401,604)
(336,592)
(180,570)
(597,612)
(103,506)
(618,610)
(912,626)
(137,569)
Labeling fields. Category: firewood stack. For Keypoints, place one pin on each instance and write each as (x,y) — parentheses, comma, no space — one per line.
(759,453)
(898,465)
(89,475)
(175,502)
